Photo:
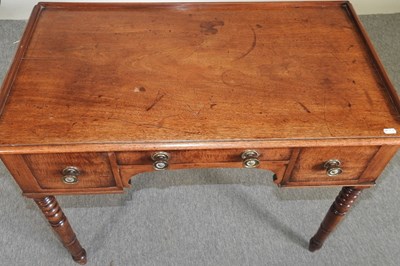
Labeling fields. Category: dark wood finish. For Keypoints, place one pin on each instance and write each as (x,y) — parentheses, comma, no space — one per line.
(200,145)
(310,163)
(336,213)
(83,191)
(237,75)
(203,156)
(12,72)
(128,171)
(293,159)
(103,86)
(114,167)
(378,64)
(94,181)
(59,222)
(378,163)
(94,167)
(21,172)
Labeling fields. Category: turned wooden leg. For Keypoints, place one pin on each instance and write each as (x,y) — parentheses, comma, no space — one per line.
(61,226)
(336,213)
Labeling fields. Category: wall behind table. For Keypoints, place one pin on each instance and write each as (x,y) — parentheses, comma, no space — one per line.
(20,9)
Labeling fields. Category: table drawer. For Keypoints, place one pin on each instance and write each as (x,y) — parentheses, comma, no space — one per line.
(310,164)
(202,156)
(94,170)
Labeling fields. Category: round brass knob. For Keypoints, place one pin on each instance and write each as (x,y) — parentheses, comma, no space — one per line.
(70,179)
(70,175)
(251,163)
(250,159)
(160,160)
(333,167)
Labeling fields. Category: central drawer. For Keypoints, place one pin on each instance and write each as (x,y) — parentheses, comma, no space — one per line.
(131,163)
(201,156)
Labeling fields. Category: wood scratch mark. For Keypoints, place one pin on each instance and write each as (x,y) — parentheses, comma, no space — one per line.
(351,46)
(71,127)
(304,107)
(194,111)
(253,45)
(156,100)
(369,99)
(191,109)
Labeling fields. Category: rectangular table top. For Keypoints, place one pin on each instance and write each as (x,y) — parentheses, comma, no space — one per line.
(195,74)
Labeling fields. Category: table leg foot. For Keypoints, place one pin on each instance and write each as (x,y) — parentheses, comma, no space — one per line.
(58,221)
(336,213)
(314,244)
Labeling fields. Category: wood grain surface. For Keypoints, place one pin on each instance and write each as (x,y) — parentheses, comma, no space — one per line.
(61,227)
(310,163)
(129,172)
(203,156)
(189,73)
(95,170)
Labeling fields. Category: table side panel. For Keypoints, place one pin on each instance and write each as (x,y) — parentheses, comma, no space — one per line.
(18,168)
(378,163)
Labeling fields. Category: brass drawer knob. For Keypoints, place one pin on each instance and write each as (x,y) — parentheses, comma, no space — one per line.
(333,167)
(250,159)
(160,160)
(70,175)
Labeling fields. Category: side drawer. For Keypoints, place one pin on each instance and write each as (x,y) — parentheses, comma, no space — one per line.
(309,167)
(95,170)
(202,156)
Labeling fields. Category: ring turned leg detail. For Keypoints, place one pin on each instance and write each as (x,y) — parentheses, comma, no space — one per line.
(336,213)
(58,221)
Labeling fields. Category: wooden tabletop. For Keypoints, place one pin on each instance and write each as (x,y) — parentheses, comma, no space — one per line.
(121,74)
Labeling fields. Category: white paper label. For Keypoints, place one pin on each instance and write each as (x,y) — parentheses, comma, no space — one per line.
(389,131)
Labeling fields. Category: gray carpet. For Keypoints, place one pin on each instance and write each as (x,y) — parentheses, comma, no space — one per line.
(210,217)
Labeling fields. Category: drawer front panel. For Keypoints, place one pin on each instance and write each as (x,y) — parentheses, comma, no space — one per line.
(309,166)
(202,156)
(95,170)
